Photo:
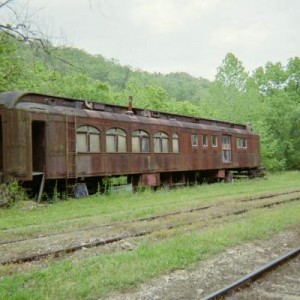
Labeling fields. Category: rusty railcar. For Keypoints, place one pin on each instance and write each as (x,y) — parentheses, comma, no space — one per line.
(46,138)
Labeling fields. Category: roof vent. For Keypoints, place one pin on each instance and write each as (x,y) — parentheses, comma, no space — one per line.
(146,113)
(155,114)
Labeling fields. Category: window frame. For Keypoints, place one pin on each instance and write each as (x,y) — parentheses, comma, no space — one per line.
(175,143)
(142,136)
(241,143)
(87,133)
(226,149)
(214,141)
(194,139)
(161,139)
(204,138)
(116,140)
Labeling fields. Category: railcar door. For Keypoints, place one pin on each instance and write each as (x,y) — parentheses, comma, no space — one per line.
(38,146)
(38,132)
(226,148)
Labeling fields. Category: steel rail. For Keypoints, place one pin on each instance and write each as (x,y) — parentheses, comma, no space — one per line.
(150,218)
(59,252)
(253,276)
(101,242)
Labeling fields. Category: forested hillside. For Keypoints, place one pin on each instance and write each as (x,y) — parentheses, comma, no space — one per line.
(269,98)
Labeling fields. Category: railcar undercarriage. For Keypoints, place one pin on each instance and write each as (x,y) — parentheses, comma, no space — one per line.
(39,188)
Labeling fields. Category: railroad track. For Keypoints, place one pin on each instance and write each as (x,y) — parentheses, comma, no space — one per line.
(244,287)
(200,208)
(135,231)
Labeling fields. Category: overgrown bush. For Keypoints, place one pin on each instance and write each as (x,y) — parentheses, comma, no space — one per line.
(11,193)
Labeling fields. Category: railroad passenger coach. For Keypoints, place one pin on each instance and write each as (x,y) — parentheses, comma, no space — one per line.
(46,140)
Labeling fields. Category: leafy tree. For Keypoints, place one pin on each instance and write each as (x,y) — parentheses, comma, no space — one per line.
(18,23)
(227,94)
(270,78)
(149,97)
(269,98)
(278,127)
(293,160)
(231,74)
(293,79)
(9,61)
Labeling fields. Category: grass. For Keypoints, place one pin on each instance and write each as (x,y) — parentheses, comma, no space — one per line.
(97,276)
(66,215)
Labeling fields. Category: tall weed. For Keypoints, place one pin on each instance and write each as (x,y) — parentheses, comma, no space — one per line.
(11,193)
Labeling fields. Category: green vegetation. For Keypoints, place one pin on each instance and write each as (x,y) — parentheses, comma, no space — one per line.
(25,221)
(96,276)
(11,193)
(269,98)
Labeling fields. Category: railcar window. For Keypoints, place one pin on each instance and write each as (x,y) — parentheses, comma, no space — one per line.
(175,143)
(226,148)
(161,142)
(194,140)
(214,141)
(87,139)
(204,141)
(241,143)
(116,140)
(140,141)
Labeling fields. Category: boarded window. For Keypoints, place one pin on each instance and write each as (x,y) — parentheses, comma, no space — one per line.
(175,143)
(214,141)
(165,145)
(194,140)
(94,143)
(81,142)
(140,141)
(110,143)
(116,140)
(161,142)
(135,144)
(87,139)
(157,145)
(204,141)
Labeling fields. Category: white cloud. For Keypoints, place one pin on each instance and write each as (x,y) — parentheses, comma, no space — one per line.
(177,35)
(167,16)
(231,36)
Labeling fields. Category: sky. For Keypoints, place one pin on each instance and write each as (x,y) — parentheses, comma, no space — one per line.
(166,36)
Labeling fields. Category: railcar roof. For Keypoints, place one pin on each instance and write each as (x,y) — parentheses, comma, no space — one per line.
(61,105)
